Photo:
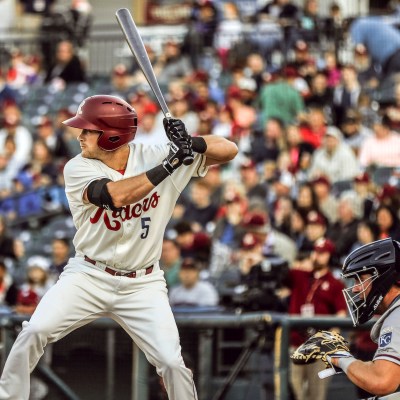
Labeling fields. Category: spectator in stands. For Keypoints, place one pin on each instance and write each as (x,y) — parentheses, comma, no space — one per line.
(244,118)
(346,94)
(321,94)
(280,100)
(313,126)
(42,166)
(141,99)
(366,72)
(171,261)
(387,58)
(67,68)
(302,61)
(310,25)
(388,195)
(60,253)
(181,108)
(388,222)
(315,229)
(381,149)
(334,159)
(369,114)
(354,133)
(14,128)
(37,284)
(225,125)
(275,243)
(364,190)
(192,244)
(256,68)
(314,292)
(200,210)
(284,10)
(67,133)
(250,178)
(19,73)
(229,32)
(120,83)
(78,20)
(266,36)
(8,95)
(6,176)
(147,132)
(392,110)
(229,229)
(214,180)
(297,228)
(327,202)
(192,291)
(56,143)
(344,232)
(270,143)
(248,91)
(201,32)
(306,199)
(367,232)
(171,63)
(281,218)
(299,153)
(8,289)
(332,69)
(334,25)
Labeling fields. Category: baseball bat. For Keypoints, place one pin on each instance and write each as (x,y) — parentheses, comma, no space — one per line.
(136,45)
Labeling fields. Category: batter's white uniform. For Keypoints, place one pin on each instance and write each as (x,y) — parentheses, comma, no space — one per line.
(128,240)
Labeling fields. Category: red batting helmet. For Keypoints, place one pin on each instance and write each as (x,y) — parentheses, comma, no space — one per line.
(112,116)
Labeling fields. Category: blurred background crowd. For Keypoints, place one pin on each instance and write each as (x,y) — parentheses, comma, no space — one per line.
(311,100)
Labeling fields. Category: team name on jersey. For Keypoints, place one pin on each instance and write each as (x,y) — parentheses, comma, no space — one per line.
(113,219)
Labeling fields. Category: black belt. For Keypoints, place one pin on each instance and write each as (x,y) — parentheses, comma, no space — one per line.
(113,272)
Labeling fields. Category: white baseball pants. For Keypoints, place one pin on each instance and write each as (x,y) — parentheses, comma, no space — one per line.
(84,293)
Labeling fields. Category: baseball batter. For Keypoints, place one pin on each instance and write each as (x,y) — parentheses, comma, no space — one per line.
(121,196)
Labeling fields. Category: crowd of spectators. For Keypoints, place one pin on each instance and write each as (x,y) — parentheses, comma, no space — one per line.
(318,138)
(317,174)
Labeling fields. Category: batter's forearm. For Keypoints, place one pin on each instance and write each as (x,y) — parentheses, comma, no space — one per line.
(219,149)
(130,190)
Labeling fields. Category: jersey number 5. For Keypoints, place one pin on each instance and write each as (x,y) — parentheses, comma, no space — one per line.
(145,226)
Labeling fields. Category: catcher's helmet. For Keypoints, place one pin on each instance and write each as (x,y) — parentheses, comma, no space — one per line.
(381,259)
(112,116)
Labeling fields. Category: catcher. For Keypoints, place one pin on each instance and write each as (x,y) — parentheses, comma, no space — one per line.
(375,271)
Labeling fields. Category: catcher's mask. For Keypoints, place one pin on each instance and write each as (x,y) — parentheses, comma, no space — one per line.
(113,117)
(381,261)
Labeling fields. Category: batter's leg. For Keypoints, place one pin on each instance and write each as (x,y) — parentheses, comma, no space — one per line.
(146,315)
(69,304)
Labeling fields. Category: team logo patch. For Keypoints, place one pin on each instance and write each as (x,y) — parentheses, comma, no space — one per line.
(385,339)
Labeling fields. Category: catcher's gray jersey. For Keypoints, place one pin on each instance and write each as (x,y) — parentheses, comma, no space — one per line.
(386,332)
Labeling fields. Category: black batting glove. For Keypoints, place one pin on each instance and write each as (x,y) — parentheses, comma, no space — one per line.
(180,149)
(175,128)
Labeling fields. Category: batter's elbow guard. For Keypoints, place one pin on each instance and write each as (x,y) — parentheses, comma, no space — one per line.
(99,195)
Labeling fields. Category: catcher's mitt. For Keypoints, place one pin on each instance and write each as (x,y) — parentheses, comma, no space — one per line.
(318,346)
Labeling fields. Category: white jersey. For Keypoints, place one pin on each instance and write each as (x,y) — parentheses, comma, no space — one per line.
(129,239)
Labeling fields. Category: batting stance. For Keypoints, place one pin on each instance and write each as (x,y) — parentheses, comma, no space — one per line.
(375,271)
(121,196)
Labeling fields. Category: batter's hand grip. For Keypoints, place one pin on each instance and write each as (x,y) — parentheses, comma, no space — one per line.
(188,160)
